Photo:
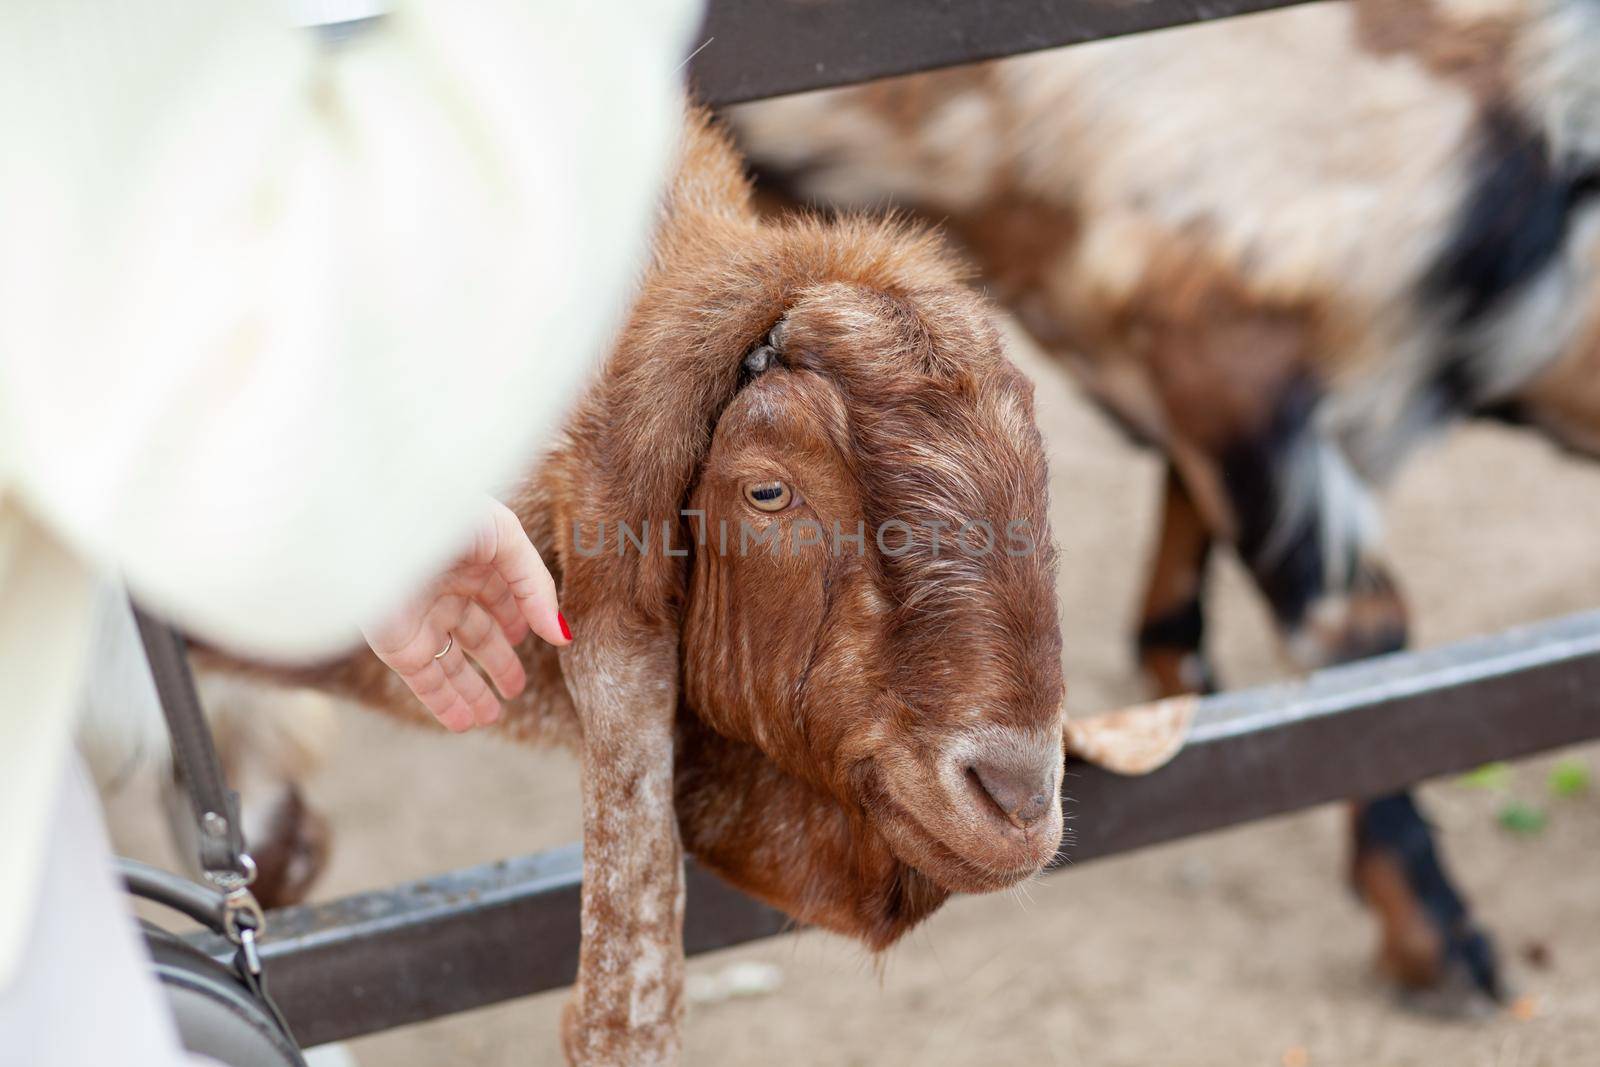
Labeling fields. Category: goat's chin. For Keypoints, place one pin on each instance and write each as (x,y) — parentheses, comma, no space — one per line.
(961,847)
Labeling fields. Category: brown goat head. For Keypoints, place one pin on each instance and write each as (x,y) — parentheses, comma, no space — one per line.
(862,726)
(870,604)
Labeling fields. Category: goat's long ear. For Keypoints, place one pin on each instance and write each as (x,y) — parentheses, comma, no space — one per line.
(634,449)
(1133,740)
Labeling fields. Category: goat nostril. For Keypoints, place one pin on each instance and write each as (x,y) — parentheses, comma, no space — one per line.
(1022,793)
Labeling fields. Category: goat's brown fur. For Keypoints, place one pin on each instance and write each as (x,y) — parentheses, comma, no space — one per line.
(809,717)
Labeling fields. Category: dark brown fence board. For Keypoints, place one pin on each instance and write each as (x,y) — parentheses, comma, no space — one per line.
(748,49)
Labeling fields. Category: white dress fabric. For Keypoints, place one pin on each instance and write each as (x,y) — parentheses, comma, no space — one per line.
(278,306)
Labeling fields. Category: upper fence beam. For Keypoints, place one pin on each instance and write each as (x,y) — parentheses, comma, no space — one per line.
(749,49)
(487,934)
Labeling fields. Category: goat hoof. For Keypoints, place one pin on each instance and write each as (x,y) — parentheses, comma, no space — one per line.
(1453,976)
(1445,964)
(1461,993)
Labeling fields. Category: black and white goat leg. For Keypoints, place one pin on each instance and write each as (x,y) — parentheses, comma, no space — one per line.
(1431,946)
(1305,525)
(1306,529)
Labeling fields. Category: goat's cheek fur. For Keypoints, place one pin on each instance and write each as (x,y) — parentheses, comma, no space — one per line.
(752,620)
(741,817)
(782,637)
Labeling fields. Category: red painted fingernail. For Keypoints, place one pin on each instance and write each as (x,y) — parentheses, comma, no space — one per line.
(565,631)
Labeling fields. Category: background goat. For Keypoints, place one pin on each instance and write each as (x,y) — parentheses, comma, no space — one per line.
(270,744)
(895,707)
(1281,249)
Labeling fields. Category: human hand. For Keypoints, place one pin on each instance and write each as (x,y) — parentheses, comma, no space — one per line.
(481,607)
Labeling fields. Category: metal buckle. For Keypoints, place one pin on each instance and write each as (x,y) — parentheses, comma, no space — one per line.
(228,881)
(241,914)
(243,920)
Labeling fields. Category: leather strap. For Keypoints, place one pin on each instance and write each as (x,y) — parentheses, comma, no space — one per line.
(216,807)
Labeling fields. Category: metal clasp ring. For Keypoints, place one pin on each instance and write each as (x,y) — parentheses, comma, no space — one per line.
(228,881)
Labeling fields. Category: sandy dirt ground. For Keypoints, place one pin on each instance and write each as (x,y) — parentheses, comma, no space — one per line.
(1238,948)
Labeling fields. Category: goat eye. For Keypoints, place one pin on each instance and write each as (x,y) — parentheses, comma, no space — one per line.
(768,496)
